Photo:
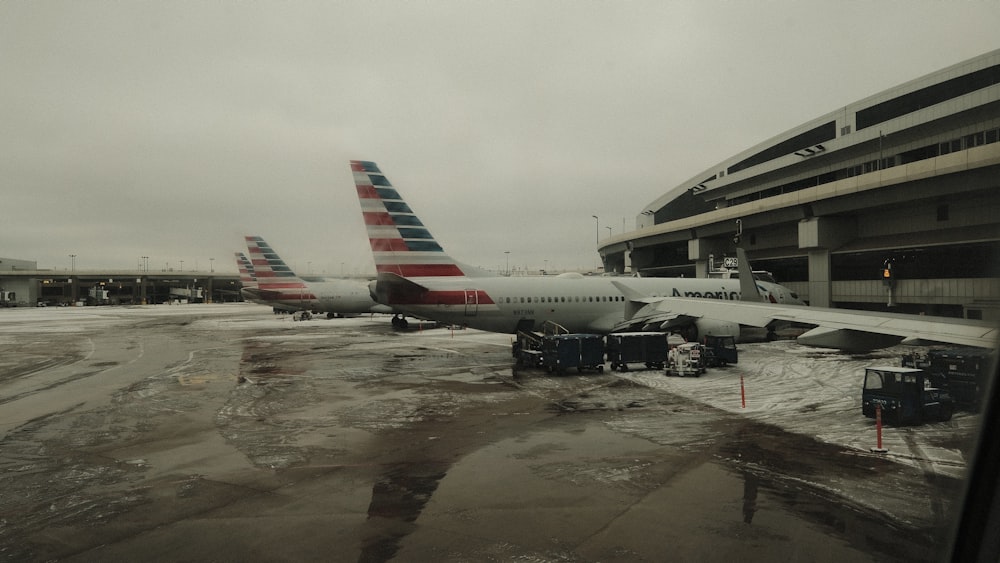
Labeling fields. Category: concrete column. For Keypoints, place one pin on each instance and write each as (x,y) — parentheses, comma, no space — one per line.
(820,285)
(700,249)
(819,236)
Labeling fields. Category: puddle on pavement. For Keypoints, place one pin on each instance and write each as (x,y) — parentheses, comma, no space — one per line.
(615,494)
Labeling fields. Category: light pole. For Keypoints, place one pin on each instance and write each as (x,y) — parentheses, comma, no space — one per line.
(597,228)
(72,262)
(609,231)
(211,264)
(507,252)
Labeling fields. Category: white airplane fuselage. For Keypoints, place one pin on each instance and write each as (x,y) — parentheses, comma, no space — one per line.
(344,297)
(581,304)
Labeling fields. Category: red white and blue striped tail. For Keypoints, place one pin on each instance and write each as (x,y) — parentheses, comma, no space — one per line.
(274,278)
(400,242)
(247,278)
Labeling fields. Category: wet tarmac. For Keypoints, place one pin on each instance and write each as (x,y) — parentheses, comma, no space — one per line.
(224,433)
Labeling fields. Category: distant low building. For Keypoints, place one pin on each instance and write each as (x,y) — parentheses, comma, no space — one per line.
(16,291)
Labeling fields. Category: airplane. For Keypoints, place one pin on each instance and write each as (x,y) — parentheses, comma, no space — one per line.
(248,285)
(416,277)
(845,329)
(247,278)
(277,285)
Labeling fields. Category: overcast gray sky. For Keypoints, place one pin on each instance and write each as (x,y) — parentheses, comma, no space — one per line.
(172,129)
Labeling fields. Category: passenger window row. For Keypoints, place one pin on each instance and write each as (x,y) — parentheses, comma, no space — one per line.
(575,299)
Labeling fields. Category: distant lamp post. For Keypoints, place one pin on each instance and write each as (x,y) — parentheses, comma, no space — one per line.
(211,264)
(597,228)
(507,252)
(609,231)
(72,262)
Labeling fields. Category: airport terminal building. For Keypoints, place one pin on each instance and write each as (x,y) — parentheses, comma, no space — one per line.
(891,201)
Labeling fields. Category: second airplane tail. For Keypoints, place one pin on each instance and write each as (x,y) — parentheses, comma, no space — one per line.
(400,242)
(247,277)
(274,278)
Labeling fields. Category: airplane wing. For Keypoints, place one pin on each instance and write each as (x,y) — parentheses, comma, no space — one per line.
(655,319)
(836,328)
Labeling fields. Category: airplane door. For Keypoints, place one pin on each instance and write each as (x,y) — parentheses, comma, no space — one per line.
(471,302)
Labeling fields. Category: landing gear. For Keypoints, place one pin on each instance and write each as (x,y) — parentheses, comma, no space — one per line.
(399,322)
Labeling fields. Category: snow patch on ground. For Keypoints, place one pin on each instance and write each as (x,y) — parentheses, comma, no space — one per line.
(817,392)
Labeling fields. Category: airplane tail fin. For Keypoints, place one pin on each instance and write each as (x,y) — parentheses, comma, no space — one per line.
(400,242)
(247,277)
(274,278)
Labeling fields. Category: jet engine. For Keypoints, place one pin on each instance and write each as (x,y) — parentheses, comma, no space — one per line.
(701,328)
(847,340)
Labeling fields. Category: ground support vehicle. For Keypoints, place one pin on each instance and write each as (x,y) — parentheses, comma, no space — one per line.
(527,350)
(964,372)
(561,352)
(649,348)
(720,351)
(905,395)
(8,299)
(685,359)
(918,360)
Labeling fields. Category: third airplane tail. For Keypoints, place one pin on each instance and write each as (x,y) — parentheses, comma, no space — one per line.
(247,277)
(400,242)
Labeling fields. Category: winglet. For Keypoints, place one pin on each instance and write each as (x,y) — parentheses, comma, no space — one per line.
(748,287)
